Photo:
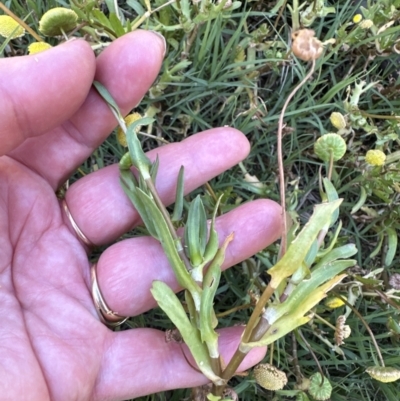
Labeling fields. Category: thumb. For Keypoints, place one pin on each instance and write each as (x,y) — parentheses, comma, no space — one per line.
(39,92)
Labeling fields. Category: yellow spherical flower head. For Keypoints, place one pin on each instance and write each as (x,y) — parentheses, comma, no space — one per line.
(357,18)
(375,158)
(58,21)
(338,120)
(10,28)
(37,47)
(269,377)
(129,119)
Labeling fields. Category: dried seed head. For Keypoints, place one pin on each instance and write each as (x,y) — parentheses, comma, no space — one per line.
(10,28)
(394,281)
(37,47)
(384,374)
(129,119)
(366,24)
(342,331)
(269,377)
(338,120)
(330,144)
(58,21)
(320,388)
(305,45)
(375,157)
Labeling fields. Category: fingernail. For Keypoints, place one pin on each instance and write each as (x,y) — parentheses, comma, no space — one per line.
(164,43)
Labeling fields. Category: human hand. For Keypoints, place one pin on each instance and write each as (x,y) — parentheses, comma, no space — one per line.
(53,346)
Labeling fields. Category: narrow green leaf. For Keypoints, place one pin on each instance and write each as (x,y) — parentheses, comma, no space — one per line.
(391,245)
(212,244)
(196,232)
(154,170)
(116,25)
(332,195)
(301,244)
(135,197)
(178,208)
(138,157)
(105,94)
(164,236)
(97,14)
(171,305)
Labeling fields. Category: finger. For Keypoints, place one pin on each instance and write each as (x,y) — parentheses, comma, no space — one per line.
(127,68)
(103,212)
(39,92)
(127,269)
(155,365)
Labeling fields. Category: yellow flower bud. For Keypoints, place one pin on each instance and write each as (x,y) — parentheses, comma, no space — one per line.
(338,120)
(129,119)
(58,21)
(10,28)
(269,377)
(37,47)
(375,157)
(357,18)
(334,302)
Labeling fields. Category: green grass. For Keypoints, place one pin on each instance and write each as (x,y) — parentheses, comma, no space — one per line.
(225,81)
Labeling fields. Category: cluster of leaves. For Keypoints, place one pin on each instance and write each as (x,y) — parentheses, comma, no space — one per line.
(229,63)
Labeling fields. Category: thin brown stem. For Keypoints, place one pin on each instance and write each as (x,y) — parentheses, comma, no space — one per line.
(280,159)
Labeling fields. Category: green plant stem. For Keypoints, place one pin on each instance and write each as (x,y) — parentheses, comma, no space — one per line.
(295,16)
(253,332)
(164,212)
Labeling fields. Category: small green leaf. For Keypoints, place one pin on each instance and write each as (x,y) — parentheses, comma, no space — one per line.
(126,162)
(391,245)
(105,94)
(212,244)
(131,191)
(178,208)
(171,305)
(138,157)
(116,25)
(210,286)
(154,169)
(101,18)
(361,201)
(196,232)
(332,195)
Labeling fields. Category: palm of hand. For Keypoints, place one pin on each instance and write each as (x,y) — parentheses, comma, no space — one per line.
(53,345)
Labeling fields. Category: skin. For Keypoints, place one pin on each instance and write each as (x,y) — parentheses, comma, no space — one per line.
(52,344)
